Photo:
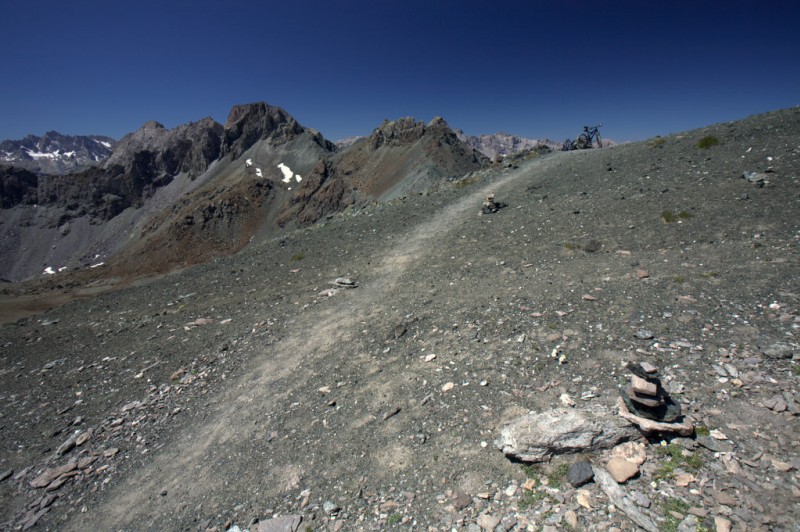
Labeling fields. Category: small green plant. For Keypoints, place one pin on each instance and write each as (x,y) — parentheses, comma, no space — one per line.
(394,519)
(531,499)
(530,471)
(796,369)
(673,505)
(707,141)
(709,275)
(702,430)
(670,217)
(675,459)
(298,257)
(680,279)
(572,246)
(556,477)
(658,142)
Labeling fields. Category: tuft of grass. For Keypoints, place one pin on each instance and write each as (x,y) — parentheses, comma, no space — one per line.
(556,477)
(670,217)
(796,369)
(394,519)
(572,246)
(673,505)
(707,141)
(531,499)
(680,279)
(675,459)
(658,142)
(702,430)
(710,274)
(298,257)
(530,471)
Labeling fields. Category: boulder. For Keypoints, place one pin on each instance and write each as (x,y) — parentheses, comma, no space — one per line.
(536,437)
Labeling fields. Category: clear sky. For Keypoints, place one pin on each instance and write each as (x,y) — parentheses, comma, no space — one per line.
(531,68)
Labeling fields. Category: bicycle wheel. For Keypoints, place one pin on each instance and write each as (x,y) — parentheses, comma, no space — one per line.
(599,142)
(584,141)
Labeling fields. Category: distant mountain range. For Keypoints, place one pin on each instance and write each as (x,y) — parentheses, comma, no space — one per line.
(502,144)
(55,153)
(169,197)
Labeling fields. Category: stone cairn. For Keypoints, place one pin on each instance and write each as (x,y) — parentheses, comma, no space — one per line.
(647,404)
(491,206)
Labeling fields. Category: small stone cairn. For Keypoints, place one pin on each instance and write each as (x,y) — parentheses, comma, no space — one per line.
(490,206)
(647,404)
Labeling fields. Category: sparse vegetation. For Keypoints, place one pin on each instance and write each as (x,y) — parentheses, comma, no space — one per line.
(394,519)
(467,181)
(707,141)
(673,505)
(674,459)
(572,246)
(702,430)
(531,499)
(679,279)
(556,477)
(298,257)
(670,217)
(658,142)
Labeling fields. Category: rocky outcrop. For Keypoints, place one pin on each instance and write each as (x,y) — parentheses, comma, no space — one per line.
(250,123)
(157,152)
(17,187)
(54,153)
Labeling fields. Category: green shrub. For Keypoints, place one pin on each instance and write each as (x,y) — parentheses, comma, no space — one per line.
(707,141)
(658,142)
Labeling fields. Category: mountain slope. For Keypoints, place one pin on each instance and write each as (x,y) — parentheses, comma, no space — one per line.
(239,390)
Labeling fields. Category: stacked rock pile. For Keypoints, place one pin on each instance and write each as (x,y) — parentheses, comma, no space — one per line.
(646,397)
(646,403)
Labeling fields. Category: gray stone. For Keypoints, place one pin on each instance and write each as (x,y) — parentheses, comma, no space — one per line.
(461,500)
(536,437)
(715,445)
(778,350)
(285,523)
(777,404)
(6,474)
(640,499)
(580,473)
(330,507)
(488,522)
(644,334)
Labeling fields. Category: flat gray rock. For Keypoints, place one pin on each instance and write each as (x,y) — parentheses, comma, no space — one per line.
(285,523)
(537,437)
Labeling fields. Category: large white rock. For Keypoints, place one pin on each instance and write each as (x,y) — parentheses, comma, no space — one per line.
(536,437)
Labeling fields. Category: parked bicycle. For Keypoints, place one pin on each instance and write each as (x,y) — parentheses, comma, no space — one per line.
(585,140)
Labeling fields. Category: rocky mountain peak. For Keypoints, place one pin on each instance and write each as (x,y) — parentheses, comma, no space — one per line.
(249,123)
(157,151)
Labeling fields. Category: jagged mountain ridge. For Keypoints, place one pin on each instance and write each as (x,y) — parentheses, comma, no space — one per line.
(54,153)
(502,144)
(180,196)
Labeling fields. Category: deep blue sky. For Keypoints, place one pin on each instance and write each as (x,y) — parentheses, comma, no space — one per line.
(536,69)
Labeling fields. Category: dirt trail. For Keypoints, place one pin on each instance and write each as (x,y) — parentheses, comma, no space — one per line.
(184,470)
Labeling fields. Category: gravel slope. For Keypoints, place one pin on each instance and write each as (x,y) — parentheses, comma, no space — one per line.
(233,391)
